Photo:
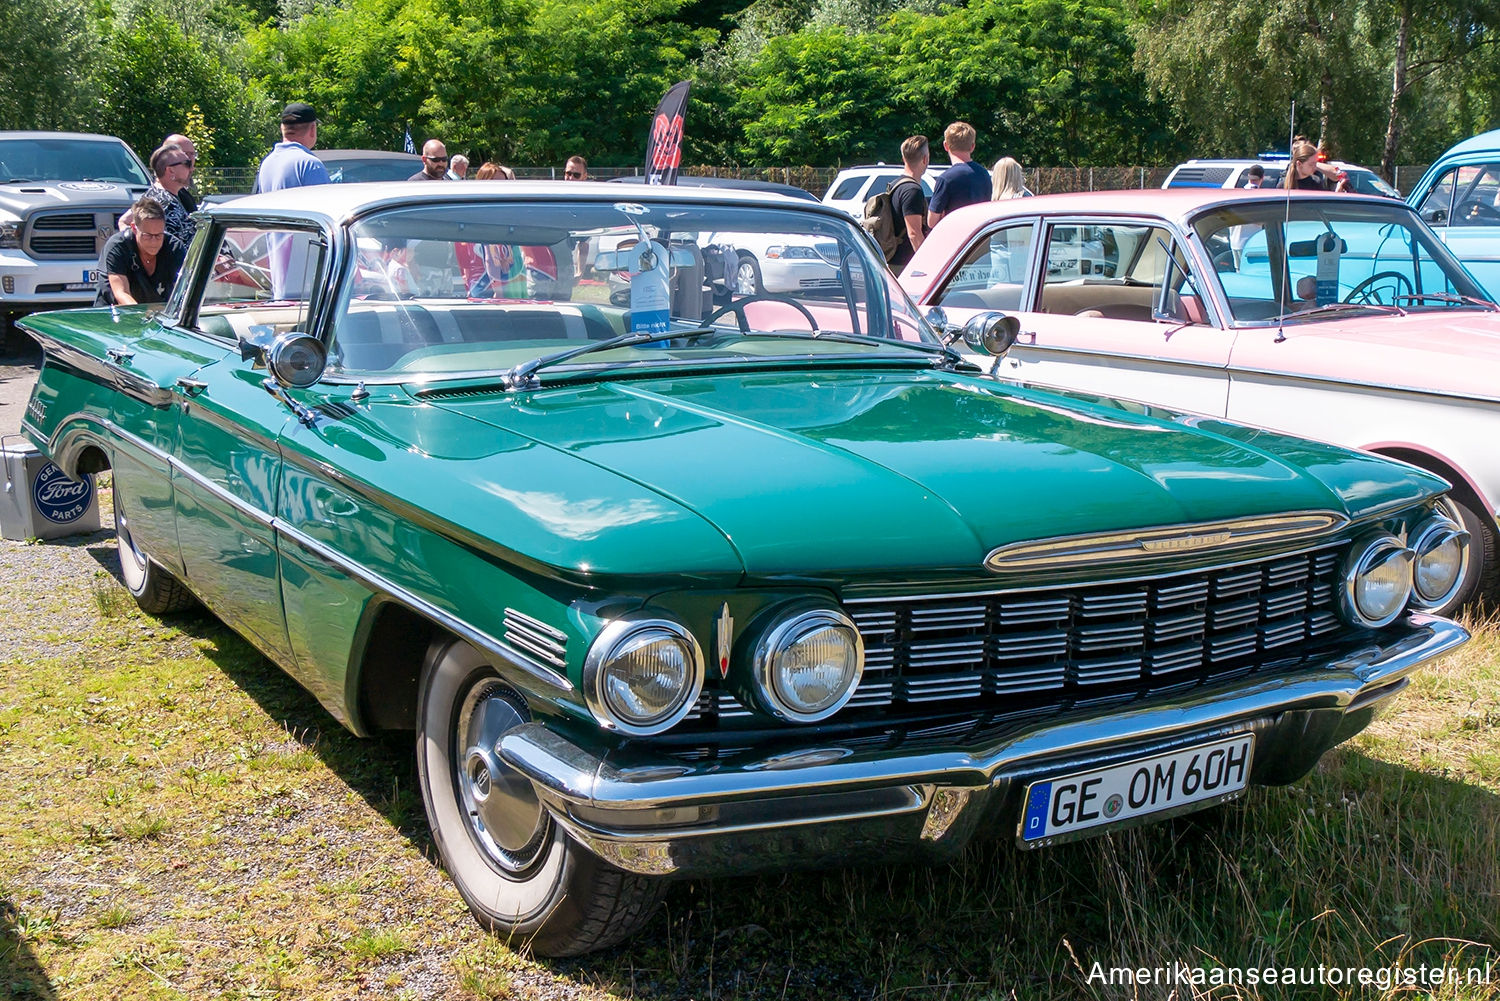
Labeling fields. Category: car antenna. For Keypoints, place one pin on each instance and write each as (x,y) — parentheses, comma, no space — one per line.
(1286,223)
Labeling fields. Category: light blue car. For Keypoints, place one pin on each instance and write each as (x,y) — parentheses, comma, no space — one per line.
(1457,198)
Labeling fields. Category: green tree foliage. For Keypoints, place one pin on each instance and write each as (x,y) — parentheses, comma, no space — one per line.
(1049,81)
(1232,70)
(522,80)
(51,52)
(153,72)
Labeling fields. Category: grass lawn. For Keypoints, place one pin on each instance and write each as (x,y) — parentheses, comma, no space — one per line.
(180,820)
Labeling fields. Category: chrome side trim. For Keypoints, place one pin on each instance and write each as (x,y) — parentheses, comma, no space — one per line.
(1111,547)
(374,581)
(421,606)
(1393,387)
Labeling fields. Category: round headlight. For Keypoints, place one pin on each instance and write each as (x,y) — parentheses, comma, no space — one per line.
(1377,581)
(1441,558)
(808,665)
(642,676)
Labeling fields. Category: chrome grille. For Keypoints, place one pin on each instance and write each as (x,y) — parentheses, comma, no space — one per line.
(69,234)
(1076,644)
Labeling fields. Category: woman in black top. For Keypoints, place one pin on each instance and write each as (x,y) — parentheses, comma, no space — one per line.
(1306,173)
(139,263)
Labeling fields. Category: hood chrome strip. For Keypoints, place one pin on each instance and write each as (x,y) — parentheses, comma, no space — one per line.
(1111,547)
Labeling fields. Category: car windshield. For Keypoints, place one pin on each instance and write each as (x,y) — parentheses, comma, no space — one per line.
(351,170)
(1297,259)
(487,286)
(51,159)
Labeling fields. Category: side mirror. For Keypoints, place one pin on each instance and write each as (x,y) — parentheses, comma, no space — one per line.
(297,360)
(938,321)
(991,333)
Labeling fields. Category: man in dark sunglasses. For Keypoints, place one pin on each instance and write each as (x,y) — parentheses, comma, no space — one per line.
(190,150)
(434,162)
(576,169)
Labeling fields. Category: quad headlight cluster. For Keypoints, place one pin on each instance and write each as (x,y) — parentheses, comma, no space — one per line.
(643,675)
(1382,575)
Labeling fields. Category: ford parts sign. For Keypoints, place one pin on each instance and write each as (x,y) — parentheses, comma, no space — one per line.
(59,499)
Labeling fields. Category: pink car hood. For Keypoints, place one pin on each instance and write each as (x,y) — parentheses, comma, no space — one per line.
(1449,352)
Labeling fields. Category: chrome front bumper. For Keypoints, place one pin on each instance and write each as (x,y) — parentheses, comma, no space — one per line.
(826,804)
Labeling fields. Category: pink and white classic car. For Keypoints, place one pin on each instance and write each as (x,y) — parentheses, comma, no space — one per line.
(1337,317)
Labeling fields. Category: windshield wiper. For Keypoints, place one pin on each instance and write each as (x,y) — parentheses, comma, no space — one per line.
(18,180)
(1340,307)
(523,376)
(1451,298)
(947,353)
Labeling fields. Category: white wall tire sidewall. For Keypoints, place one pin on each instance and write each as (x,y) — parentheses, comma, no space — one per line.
(509,905)
(134,564)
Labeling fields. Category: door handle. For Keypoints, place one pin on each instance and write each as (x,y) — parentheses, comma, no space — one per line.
(192,387)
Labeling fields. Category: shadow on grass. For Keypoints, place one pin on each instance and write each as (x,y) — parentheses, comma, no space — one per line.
(382,770)
(21,975)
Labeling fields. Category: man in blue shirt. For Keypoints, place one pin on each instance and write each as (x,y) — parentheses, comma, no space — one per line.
(964,183)
(290,164)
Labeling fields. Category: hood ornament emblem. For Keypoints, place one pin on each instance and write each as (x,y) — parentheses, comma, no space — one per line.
(725,630)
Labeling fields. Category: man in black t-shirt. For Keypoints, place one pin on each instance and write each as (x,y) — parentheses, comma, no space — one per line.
(139,263)
(908,201)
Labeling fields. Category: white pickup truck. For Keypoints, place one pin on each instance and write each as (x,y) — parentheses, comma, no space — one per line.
(61,197)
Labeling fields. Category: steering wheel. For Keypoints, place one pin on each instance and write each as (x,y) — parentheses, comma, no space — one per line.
(1368,291)
(737,307)
(1480,210)
(1224,261)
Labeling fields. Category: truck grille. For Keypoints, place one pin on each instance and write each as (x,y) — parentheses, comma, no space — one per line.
(60,235)
(1052,647)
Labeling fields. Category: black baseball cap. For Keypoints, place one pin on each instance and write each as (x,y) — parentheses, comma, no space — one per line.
(298,113)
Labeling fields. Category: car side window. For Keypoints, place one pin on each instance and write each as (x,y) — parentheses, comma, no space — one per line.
(1111,270)
(848,188)
(992,274)
(1437,207)
(1476,195)
(260,278)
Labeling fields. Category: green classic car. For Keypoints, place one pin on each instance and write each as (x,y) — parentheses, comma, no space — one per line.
(671,580)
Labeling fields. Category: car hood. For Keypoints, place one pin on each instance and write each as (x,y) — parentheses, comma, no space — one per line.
(23,198)
(864,473)
(1452,352)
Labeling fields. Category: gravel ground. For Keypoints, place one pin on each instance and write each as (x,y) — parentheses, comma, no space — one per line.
(37,580)
(18,370)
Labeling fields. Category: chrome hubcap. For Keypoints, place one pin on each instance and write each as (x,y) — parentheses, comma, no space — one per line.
(744,279)
(504,817)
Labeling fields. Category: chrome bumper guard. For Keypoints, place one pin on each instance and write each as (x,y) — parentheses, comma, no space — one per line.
(828,804)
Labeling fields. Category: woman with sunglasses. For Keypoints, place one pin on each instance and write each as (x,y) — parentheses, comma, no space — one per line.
(173,170)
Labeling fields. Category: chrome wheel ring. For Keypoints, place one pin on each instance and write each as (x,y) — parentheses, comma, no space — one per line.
(500,810)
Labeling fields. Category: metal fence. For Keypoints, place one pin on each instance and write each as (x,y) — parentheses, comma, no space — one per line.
(1042,180)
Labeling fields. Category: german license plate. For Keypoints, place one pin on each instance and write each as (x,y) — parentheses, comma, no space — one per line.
(91,276)
(1165,783)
